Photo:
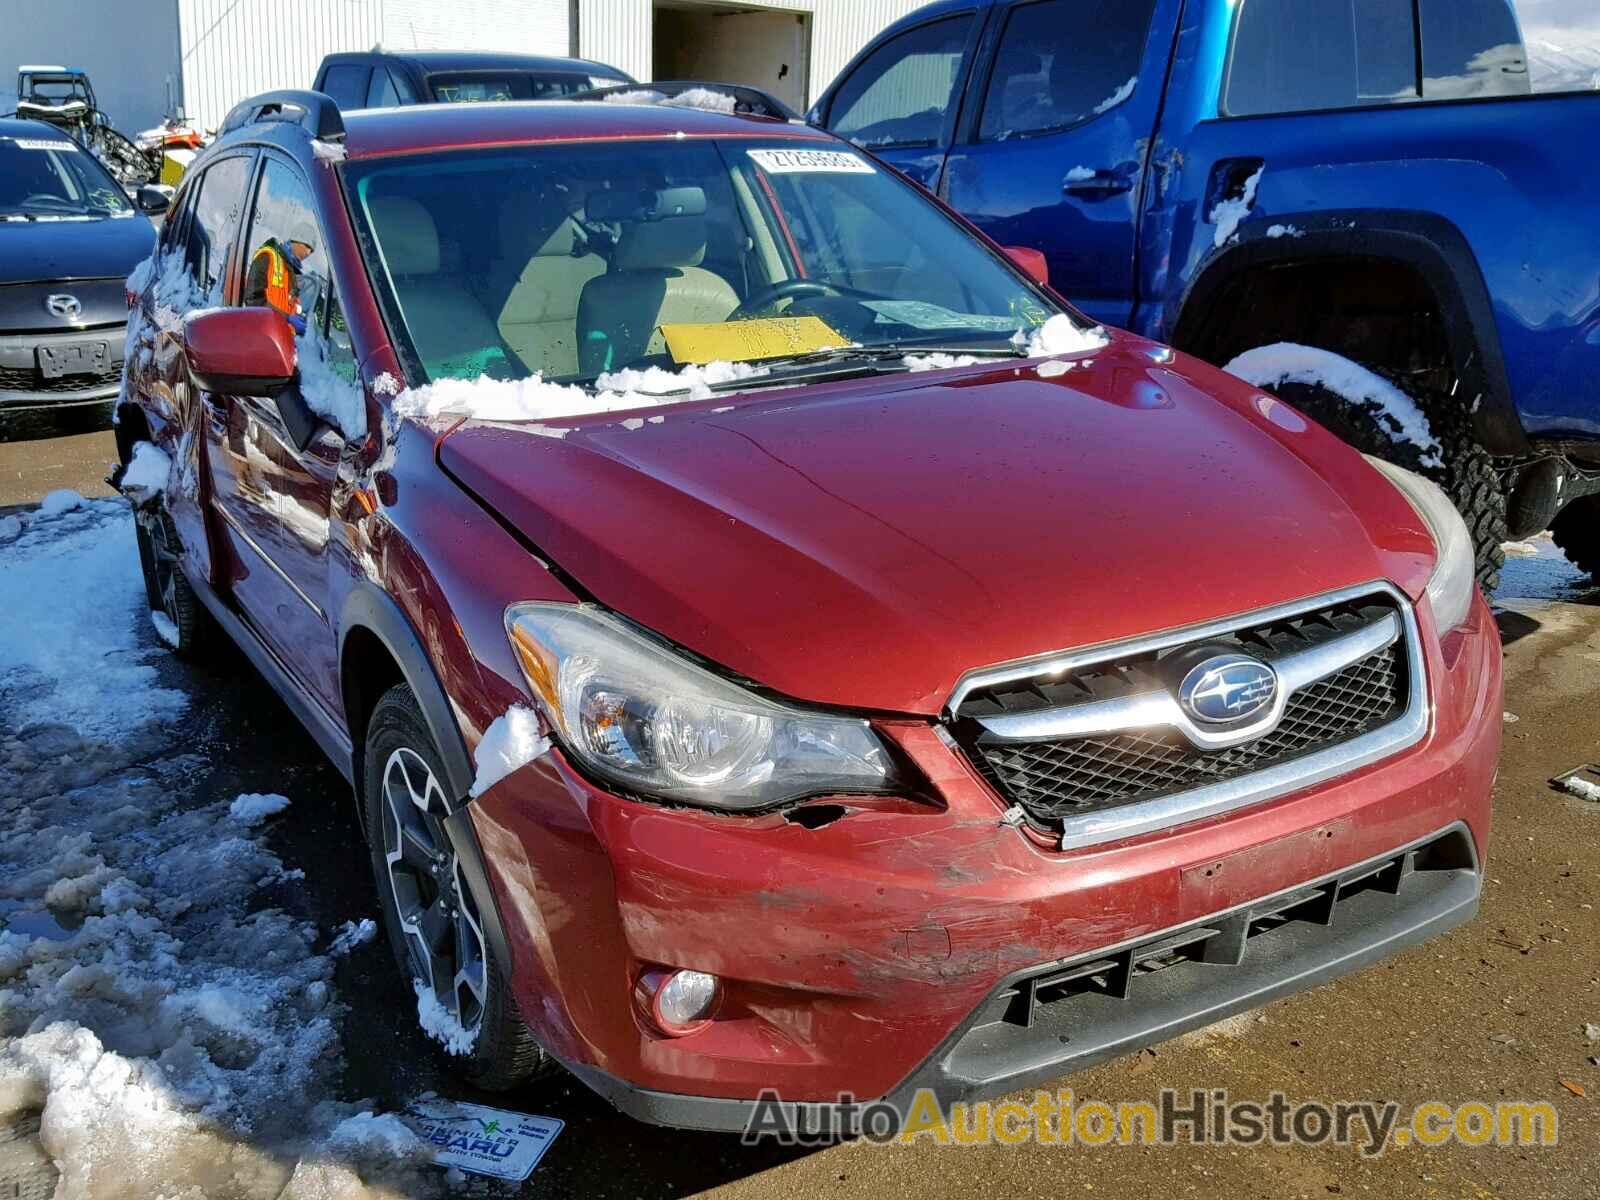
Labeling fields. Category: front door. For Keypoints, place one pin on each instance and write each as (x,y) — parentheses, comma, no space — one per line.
(901,100)
(1052,152)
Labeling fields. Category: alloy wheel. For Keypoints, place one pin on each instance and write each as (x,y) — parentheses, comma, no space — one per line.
(163,560)
(443,932)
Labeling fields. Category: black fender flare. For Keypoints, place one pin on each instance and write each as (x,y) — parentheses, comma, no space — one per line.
(376,612)
(1429,245)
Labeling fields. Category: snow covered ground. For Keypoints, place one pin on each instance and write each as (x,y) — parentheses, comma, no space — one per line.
(175,1031)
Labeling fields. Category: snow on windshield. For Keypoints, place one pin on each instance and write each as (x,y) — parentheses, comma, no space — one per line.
(535,399)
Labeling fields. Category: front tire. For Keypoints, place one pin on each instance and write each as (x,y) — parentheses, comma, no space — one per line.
(432,915)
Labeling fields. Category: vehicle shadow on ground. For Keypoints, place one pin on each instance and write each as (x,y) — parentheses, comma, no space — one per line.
(35,425)
(254,744)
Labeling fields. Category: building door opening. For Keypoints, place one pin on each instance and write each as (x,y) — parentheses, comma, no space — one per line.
(725,43)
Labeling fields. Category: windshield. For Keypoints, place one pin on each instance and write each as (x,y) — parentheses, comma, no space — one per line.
(45,177)
(575,261)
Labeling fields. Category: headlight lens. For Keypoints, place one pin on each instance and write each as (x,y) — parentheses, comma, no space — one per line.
(646,719)
(1454,578)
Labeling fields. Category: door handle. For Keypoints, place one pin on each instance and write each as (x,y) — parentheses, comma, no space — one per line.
(1098,185)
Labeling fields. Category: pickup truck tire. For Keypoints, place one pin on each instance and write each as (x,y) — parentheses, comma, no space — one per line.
(430,911)
(1468,476)
(1577,532)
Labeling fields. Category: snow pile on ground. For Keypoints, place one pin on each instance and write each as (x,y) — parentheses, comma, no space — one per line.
(1284,362)
(535,399)
(509,744)
(175,1032)
(352,934)
(1228,213)
(59,501)
(1582,788)
(252,808)
(148,472)
(1062,335)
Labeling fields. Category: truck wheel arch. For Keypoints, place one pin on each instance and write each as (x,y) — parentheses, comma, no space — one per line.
(1426,246)
(371,622)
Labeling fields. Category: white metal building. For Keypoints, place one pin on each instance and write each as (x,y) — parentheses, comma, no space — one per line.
(143,54)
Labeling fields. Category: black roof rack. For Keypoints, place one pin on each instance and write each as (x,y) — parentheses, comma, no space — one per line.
(312,111)
(747,101)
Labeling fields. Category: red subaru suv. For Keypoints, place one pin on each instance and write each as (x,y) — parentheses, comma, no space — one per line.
(777,646)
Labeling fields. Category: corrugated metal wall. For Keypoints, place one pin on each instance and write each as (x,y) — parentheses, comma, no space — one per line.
(235,48)
(619,31)
(515,26)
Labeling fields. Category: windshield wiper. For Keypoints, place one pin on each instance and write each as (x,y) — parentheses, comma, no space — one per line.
(866,360)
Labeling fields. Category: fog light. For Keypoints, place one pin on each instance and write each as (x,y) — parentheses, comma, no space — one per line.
(678,1002)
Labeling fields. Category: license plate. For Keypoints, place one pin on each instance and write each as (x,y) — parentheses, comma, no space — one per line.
(74,358)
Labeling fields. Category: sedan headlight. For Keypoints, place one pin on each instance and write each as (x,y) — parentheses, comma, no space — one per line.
(1454,577)
(646,719)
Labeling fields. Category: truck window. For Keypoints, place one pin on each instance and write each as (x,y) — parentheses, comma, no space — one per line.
(1062,62)
(347,84)
(1299,55)
(902,92)
(1470,49)
(1563,44)
(381,91)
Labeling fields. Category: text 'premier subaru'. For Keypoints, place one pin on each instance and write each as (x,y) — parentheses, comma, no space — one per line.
(775,642)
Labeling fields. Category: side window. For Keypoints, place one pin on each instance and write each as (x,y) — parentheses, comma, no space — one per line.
(1563,41)
(1299,55)
(216,220)
(347,84)
(901,94)
(174,227)
(287,268)
(381,93)
(1472,48)
(1061,62)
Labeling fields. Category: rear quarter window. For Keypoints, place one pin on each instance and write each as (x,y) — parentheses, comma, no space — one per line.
(1302,55)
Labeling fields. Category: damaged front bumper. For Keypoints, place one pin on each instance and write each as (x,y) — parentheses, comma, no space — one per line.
(908,945)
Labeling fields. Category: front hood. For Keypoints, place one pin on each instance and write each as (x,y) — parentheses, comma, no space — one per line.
(54,250)
(866,544)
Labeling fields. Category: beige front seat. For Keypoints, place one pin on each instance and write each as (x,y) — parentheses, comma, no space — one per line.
(548,269)
(452,333)
(655,279)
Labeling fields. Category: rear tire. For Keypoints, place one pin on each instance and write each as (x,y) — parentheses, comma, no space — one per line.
(1468,475)
(1577,531)
(430,911)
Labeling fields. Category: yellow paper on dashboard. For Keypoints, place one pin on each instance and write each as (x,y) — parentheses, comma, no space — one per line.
(751,341)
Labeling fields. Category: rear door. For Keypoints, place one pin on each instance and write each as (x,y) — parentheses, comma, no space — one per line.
(1051,153)
(902,99)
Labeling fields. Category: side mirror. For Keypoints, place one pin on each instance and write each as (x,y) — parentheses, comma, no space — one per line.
(152,200)
(240,351)
(1032,263)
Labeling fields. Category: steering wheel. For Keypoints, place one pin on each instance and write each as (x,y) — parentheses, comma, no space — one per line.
(45,198)
(789,289)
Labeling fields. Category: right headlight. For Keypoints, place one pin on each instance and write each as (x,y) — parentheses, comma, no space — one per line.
(646,719)
(1454,577)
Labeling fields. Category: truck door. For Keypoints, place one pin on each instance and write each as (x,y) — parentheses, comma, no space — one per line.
(1051,151)
(901,99)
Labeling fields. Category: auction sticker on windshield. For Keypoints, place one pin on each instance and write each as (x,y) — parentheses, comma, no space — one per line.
(42,144)
(811,162)
(486,1141)
(750,341)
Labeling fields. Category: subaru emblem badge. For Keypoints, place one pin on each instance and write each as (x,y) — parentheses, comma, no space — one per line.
(1227,689)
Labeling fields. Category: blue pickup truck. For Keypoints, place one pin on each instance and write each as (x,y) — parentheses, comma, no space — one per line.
(1387,211)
